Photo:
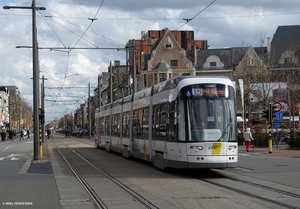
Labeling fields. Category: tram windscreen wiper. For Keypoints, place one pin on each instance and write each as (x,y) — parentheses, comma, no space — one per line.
(225,131)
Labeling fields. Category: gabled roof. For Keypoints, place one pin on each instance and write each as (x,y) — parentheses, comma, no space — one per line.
(160,40)
(285,38)
(158,43)
(162,66)
(230,57)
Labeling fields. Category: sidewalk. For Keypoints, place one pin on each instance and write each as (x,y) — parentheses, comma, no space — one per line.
(282,151)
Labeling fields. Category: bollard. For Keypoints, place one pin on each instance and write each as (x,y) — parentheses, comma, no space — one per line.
(270,145)
(41,150)
(270,139)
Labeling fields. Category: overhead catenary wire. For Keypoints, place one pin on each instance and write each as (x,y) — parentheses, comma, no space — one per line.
(68,50)
(92,20)
(190,19)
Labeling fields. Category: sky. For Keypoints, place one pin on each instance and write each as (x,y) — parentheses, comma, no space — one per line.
(72,24)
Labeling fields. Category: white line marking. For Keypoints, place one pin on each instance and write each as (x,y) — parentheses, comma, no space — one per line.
(6,148)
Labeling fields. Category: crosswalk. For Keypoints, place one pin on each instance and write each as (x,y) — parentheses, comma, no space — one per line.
(13,157)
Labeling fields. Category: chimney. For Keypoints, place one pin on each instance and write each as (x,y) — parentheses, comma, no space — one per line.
(117,63)
(268,44)
(143,35)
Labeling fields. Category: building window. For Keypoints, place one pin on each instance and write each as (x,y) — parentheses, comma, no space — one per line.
(212,64)
(174,62)
(168,43)
(251,62)
(162,77)
(145,80)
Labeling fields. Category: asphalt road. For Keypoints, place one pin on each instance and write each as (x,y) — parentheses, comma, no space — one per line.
(280,167)
(39,184)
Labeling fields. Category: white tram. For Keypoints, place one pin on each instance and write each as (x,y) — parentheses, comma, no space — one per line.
(184,122)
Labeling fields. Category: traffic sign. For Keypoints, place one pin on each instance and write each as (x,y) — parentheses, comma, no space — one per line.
(277,125)
(278,116)
(277,106)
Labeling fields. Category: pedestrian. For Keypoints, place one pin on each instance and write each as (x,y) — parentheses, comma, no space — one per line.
(68,133)
(21,135)
(48,133)
(28,134)
(248,138)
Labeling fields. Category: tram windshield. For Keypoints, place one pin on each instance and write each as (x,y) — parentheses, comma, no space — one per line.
(210,112)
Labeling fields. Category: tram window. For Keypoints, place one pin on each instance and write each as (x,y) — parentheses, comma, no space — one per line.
(115,124)
(107,125)
(145,125)
(125,128)
(172,129)
(160,121)
(181,121)
(140,119)
(155,129)
(118,124)
(137,118)
(210,108)
(101,125)
(172,124)
(163,120)
(112,124)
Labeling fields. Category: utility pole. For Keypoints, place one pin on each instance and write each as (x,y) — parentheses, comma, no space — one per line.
(111,83)
(89,108)
(43,105)
(35,76)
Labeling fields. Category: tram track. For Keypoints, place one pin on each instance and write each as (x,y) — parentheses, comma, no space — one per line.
(66,153)
(172,188)
(279,195)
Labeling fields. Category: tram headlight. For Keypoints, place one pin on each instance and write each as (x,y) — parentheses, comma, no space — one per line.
(197,147)
(200,147)
(230,147)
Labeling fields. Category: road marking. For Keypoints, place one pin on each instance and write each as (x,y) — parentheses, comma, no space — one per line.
(15,155)
(6,148)
(244,154)
(12,157)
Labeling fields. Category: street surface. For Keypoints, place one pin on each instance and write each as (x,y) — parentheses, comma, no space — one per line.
(48,182)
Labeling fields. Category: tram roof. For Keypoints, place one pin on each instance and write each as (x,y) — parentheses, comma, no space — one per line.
(189,80)
(178,82)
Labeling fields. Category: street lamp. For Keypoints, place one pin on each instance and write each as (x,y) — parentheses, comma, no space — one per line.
(35,75)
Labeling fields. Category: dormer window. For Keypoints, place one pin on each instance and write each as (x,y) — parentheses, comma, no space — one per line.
(212,64)
(168,43)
